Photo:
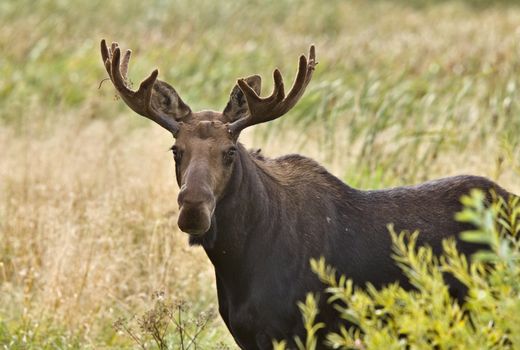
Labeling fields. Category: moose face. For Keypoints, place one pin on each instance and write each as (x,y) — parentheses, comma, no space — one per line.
(204,154)
(205,142)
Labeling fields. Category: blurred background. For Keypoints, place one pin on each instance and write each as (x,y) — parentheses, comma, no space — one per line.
(405,91)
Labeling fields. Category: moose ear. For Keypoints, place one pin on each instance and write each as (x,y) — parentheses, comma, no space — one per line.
(237,107)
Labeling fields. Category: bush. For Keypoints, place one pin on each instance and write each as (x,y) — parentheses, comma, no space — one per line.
(426,318)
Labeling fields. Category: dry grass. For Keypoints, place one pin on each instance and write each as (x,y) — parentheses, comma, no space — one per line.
(89,225)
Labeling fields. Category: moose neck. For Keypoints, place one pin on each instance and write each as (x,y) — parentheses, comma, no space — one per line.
(244,210)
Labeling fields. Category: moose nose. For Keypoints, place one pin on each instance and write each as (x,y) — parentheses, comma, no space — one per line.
(191,202)
(194,197)
(196,209)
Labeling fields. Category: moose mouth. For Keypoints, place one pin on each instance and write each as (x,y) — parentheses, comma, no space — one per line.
(195,220)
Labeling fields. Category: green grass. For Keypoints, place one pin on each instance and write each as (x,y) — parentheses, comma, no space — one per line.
(404,91)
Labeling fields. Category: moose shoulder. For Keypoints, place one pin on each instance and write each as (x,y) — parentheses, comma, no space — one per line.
(260,220)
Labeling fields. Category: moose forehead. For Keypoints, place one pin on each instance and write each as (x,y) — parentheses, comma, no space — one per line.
(205,125)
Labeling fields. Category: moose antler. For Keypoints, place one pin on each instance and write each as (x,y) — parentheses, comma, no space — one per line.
(155,99)
(265,109)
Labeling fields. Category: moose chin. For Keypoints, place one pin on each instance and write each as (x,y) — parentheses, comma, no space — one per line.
(261,220)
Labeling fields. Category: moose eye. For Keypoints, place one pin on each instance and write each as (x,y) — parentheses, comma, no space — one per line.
(231,152)
(176,153)
(230,155)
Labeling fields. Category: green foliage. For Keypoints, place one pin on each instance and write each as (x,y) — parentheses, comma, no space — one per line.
(309,312)
(428,317)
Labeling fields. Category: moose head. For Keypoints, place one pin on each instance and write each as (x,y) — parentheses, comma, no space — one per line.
(205,146)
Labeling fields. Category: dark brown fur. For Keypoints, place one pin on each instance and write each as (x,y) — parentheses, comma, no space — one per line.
(276,214)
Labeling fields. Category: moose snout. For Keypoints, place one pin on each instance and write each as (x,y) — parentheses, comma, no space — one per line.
(196,209)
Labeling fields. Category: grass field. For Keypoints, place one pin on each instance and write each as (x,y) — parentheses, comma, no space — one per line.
(404,91)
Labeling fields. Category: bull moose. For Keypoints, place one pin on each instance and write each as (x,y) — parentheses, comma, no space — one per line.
(260,220)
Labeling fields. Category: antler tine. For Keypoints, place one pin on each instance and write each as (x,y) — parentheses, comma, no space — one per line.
(114,46)
(124,64)
(277,104)
(139,101)
(252,97)
(104,51)
(303,77)
(117,77)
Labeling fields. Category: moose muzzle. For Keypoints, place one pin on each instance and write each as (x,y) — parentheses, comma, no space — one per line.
(196,209)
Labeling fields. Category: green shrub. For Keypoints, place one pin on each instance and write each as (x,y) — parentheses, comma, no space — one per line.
(428,317)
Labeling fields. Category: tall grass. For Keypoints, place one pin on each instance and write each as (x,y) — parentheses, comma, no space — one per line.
(402,93)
